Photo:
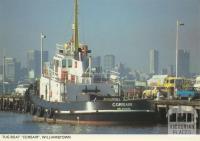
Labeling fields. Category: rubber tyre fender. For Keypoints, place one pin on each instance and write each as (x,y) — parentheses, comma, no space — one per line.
(40,112)
(33,109)
(27,107)
(50,113)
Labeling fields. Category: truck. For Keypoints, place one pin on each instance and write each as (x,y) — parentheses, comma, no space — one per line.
(166,85)
(187,94)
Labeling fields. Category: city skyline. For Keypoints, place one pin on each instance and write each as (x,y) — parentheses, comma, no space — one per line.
(34,62)
(127,29)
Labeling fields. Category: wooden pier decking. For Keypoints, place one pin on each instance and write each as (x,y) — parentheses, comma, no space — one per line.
(167,103)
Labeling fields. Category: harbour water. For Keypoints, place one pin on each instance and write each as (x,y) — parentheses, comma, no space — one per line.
(15,123)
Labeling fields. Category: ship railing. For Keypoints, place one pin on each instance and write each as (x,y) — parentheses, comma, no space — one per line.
(63,50)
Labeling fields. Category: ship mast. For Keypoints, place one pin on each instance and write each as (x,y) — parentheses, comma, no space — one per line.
(75,27)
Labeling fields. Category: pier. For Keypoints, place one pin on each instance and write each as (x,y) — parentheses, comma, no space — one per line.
(162,106)
(167,103)
(12,103)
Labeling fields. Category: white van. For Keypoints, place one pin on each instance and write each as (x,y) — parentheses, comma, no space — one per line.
(197,83)
(21,89)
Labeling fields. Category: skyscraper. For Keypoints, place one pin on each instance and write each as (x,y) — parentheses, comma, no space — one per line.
(109,62)
(170,70)
(183,63)
(153,64)
(12,69)
(34,62)
(96,63)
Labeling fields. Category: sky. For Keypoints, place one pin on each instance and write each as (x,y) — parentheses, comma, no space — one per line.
(126,28)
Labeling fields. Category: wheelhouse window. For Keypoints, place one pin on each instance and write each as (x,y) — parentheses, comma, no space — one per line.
(75,64)
(69,63)
(64,63)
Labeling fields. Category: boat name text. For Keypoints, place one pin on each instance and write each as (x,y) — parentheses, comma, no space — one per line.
(120,104)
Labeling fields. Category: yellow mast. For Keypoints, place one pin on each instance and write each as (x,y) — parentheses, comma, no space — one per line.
(75,26)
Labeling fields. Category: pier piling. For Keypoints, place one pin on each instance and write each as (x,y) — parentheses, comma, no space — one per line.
(11,103)
(162,107)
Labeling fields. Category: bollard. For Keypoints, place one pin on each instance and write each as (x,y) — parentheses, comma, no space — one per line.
(13,104)
(8,104)
(198,119)
(3,106)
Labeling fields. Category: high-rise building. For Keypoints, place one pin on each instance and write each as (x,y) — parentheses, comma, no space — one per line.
(18,71)
(34,62)
(12,69)
(164,71)
(1,73)
(1,69)
(170,70)
(153,64)
(183,63)
(109,62)
(96,63)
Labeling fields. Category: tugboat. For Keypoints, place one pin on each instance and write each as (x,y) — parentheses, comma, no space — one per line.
(69,91)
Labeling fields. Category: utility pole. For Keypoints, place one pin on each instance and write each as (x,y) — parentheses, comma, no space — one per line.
(42,36)
(178,23)
(3,80)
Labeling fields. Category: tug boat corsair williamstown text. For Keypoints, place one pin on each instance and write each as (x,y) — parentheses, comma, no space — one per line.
(69,91)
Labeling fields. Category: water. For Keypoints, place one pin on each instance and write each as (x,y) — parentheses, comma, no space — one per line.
(14,123)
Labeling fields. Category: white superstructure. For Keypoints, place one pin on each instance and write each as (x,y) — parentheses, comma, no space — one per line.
(70,71)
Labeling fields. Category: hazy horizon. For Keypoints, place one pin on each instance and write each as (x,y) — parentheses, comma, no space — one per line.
(126,28)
